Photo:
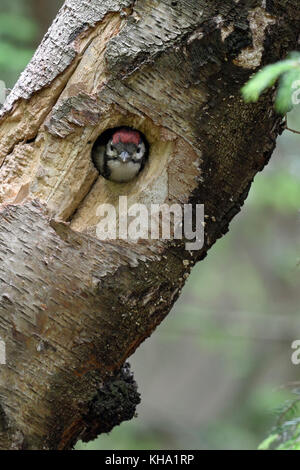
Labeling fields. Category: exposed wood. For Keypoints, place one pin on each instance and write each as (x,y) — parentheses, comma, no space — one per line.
(74,308)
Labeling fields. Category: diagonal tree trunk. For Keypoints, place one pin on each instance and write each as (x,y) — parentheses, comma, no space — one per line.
(74,308)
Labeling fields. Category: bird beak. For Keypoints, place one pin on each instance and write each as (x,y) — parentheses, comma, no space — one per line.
(124,156)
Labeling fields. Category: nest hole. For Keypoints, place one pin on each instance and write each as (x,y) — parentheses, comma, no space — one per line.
(105,137)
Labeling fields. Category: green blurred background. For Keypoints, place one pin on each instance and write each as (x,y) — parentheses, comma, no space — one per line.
(214,373)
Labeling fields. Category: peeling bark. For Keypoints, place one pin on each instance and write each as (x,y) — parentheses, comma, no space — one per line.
(73,308)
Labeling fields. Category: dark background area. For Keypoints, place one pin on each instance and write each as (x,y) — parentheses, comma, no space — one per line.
(214,373)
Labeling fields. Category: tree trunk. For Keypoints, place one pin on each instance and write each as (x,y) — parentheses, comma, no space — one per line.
(73,308)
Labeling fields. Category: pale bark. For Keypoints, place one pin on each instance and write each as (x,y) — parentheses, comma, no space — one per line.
(73,308)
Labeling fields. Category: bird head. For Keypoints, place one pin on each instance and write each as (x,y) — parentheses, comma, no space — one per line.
(125,154)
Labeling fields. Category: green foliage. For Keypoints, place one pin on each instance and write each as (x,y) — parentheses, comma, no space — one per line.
(287,71)
(283,102)
(286,433)
(265,445)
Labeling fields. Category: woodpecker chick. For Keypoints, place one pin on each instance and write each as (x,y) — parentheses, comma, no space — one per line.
(123,157)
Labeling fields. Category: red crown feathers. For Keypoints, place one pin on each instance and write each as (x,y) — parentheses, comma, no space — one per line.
(126,136)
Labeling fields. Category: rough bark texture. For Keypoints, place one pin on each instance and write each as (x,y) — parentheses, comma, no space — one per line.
(73,308)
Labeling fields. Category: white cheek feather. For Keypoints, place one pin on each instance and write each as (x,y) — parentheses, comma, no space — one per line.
(123,172)
(139,155)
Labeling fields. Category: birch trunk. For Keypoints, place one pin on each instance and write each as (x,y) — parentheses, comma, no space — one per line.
(73,308)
